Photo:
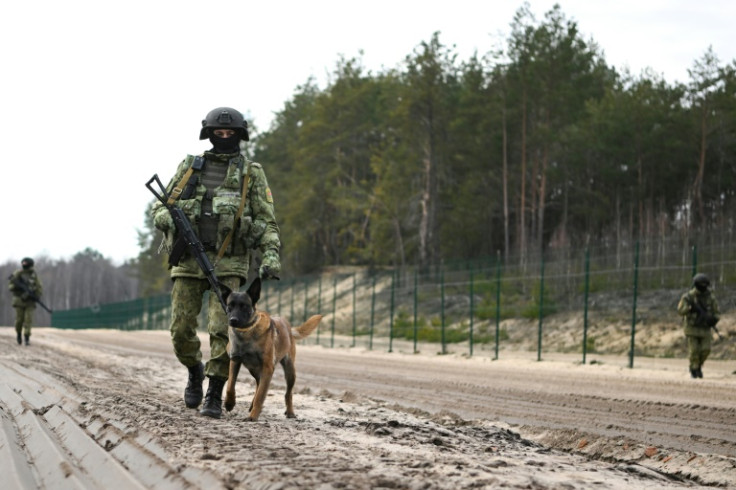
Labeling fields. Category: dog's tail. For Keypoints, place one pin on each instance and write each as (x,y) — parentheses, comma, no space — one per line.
(303,330)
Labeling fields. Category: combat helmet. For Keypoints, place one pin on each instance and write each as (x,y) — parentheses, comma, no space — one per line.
(224,118)
(701,281)
(27,262)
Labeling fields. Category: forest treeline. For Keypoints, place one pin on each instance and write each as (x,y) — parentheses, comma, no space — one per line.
(539,145)
(535,146)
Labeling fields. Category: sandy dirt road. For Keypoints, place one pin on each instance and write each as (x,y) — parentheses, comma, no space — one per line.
(91,409)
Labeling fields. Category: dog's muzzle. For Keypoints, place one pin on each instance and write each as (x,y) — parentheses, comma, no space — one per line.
(233,321)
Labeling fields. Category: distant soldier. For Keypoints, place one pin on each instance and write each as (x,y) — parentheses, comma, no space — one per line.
(699,310)
(27,289)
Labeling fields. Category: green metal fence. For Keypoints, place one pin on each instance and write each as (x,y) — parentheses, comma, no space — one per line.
(462,307)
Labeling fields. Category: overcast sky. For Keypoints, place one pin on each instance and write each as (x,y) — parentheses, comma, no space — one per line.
(97,96)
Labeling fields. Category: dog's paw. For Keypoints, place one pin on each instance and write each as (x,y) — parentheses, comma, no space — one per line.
(229,403)
(251,419)
(291,415)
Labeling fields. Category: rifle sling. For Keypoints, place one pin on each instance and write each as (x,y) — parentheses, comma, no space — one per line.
(179,188)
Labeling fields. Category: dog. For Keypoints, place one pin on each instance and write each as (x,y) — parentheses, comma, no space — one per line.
(259,341)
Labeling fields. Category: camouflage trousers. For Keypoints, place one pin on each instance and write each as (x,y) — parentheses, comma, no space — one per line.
(186,304)
(699,349)
(23,319)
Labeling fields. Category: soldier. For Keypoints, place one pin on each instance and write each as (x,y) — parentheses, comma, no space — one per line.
(699,310)
(25,284)
(229,204)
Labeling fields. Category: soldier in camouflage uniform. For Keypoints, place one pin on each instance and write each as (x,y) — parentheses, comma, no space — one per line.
(699,310)
(24,305)
(211,199)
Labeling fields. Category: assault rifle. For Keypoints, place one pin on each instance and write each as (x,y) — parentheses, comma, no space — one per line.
(187,240)
(705,318)
(22,285)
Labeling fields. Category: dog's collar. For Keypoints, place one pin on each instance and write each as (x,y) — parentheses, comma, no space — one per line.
(252,321)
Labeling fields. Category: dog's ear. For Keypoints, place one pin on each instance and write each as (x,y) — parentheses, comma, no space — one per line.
(254,290)
(226,291)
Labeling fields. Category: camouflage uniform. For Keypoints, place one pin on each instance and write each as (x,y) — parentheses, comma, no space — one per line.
(24,306)
(697,332)
(257,229)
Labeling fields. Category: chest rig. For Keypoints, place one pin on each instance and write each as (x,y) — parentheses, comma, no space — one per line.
(219,188)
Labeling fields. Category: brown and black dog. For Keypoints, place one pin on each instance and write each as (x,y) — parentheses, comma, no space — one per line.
(260,341)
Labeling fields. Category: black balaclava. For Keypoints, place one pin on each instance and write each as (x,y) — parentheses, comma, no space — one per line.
(225,145)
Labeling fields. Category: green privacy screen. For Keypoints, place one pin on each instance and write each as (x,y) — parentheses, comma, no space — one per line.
(153,313)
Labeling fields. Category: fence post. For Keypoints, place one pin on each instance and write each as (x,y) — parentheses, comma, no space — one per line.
(306,288)
(498,299)
(279,298)
(695,260)
(264,295)
(319,303)
(471,313)
(391,317)
(585,305)
(416,273)
(354,323)
(633,312)
(319,294)
(541,310)
(292,294)
(148,309)
(334,301)
(442,308)
(373,311)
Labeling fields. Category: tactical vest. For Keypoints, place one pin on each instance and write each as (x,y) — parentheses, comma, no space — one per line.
(211,199)
(211,177)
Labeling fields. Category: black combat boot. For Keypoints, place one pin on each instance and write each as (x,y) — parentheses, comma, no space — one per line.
(193,391)
(699,372)
(20,339)
(213,399)
(694,373)
(28,339)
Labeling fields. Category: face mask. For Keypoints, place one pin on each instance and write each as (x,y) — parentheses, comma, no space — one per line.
(225,145)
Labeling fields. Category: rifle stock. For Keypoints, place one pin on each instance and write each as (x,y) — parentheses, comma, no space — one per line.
(186,239)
